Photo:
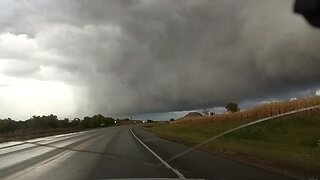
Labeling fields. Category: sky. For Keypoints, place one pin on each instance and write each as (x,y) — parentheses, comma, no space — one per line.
(151,58)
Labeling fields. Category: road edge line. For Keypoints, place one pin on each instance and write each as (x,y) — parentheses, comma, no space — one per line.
(179,174)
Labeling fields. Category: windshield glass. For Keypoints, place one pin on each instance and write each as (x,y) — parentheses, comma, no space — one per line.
(182,89)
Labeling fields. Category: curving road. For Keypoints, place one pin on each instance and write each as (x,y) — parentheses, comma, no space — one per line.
(115,153)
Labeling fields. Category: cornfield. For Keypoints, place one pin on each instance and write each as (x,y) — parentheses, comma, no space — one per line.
(258,112)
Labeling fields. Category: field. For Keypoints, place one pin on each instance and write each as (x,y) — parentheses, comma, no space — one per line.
(289,144)
(262,111)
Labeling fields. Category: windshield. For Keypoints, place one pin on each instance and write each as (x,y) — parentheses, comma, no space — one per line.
(142,89)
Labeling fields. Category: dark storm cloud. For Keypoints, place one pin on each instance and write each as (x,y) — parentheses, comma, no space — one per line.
(144,56)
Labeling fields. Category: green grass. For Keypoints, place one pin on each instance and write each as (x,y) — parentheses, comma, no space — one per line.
(290,141)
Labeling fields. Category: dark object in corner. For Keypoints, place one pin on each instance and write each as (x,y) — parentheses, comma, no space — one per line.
(310,9)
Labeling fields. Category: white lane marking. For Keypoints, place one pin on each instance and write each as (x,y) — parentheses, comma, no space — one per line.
(45,162)
(180,175)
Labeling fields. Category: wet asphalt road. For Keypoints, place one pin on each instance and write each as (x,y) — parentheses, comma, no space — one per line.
(115,153)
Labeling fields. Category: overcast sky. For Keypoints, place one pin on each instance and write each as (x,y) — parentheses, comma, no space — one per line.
(129,57)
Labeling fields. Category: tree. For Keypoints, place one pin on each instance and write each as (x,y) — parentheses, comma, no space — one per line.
(232,107)
(64,123)
(7,125)
(75,122)
(150,121)
(96,121)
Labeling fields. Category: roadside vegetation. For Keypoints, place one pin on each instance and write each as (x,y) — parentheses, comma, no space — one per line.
(288,144)
(38,126)
(262,111)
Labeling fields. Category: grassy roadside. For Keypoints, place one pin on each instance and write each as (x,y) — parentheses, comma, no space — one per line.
(289,143)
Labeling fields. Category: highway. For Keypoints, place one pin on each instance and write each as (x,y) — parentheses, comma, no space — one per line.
(120,152)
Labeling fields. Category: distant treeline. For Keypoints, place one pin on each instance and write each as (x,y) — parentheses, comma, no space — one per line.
(52,122)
